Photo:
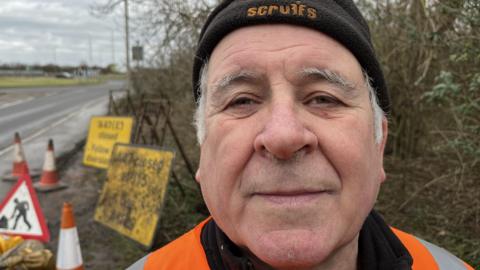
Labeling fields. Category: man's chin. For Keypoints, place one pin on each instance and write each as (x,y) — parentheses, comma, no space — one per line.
(291,249)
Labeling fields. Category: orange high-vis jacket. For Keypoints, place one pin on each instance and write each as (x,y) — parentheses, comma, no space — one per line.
(187,252)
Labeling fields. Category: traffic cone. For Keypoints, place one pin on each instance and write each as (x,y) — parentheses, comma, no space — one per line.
(20,166)
(69,255)
(49,180)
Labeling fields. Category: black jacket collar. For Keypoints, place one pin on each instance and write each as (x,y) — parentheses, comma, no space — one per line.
(379,248)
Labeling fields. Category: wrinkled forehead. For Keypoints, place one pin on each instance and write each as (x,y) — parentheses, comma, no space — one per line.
(283,35)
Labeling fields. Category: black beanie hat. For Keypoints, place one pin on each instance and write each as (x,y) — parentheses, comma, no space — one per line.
(339,19)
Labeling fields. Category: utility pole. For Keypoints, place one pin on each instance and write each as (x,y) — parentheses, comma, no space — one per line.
(55,55)
(113,47)
(55,58)
(127,44)
(90,58)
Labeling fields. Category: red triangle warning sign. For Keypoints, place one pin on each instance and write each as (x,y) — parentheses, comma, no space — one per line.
(20,212)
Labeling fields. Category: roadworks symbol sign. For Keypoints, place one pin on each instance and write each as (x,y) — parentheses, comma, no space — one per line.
(133,194)
(20,212)
(103,134)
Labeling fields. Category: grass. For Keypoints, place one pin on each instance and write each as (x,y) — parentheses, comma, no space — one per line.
(17,82)
(114,76)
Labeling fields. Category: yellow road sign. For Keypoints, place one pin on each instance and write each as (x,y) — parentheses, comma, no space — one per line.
(133,194)
(103,133)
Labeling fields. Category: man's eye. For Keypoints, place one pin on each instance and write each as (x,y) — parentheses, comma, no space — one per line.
(323,100)
(243,106)
(242,101)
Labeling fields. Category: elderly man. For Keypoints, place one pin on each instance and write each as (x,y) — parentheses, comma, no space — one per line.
(292,127)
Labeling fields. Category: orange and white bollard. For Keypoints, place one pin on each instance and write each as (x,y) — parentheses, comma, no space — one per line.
(69,255)
(49,180)
(20,166)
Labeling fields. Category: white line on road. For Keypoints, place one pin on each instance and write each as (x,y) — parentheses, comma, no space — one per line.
(40,132)
(10,104)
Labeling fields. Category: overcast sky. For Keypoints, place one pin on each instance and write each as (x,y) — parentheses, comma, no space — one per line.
(60,32)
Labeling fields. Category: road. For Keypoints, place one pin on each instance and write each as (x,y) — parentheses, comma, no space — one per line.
(60,113)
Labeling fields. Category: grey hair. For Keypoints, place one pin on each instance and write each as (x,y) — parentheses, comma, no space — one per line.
(199,117)
(378,113)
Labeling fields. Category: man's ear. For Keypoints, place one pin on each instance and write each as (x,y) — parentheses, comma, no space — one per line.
(382,145)
(384,133)
(197,176)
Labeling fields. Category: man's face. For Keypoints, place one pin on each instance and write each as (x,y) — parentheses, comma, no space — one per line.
(289,167)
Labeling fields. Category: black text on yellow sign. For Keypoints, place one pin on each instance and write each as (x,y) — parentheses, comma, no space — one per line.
(133,195)
(103,134)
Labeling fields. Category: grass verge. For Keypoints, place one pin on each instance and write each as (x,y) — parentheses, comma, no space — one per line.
(17,82)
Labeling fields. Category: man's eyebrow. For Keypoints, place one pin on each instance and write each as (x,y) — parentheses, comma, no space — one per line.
(329,76)
(230,79)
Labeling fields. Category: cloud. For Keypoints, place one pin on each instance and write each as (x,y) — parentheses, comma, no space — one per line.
(58,31)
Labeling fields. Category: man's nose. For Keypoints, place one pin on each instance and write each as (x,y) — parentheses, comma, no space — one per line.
(284,134)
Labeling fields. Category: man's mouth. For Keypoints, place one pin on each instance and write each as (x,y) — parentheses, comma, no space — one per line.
(291,198)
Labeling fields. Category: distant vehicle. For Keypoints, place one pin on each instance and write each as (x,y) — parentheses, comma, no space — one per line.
(64,75)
